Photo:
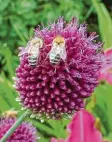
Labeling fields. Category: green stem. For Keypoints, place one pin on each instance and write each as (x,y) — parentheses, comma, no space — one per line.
(13,128)
(89,12)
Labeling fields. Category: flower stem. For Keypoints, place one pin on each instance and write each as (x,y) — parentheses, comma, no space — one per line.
(13,128)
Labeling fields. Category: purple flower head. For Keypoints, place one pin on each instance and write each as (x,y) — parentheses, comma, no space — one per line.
(24,133)
(65,72)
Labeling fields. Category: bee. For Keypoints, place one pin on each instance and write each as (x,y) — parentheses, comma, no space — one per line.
(58,50)
(10,114)
(33,50)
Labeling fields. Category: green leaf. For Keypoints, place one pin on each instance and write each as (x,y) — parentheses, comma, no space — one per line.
(8,57)
(105,23)
(59,127)
(4,4)
(42,127)
(3,105)
(104,105)
(8,93)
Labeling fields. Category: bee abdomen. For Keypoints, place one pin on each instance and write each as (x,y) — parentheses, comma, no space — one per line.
(32,60)
(54,59)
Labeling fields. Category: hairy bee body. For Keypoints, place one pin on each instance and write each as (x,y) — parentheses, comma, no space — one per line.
(10,114)
(54,59)
(33,50)
(58,50)
(32,59)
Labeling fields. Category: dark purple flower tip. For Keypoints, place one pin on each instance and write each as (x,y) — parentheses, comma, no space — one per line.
(52,88)
(24,133)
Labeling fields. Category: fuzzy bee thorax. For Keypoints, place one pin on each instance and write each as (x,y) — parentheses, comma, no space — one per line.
(59,40)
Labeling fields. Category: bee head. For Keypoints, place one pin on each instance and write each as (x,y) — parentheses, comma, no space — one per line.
(37,41)
(59,41)
(10,114)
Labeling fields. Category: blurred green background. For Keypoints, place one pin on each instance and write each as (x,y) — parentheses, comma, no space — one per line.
(18,19)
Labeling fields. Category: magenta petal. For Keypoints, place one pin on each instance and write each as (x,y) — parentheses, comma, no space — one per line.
(109,78)
(106,71)
(82,128)
(55,140)
(108,52)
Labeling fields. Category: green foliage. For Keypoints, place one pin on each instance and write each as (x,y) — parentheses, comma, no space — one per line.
(19,18)
(105,23)
(101,106)
(17,22)
(104,104)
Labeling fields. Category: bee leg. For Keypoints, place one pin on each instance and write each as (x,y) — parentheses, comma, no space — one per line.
(47,56)
(55,70)
(67,70)
(66,67)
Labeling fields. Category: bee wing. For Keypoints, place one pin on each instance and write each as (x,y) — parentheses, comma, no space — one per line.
(33,50)
(23,51)
(63,54)
(53,51)
(20,48)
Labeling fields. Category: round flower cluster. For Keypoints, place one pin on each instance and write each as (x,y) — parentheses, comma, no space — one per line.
(24,133)
(55,80)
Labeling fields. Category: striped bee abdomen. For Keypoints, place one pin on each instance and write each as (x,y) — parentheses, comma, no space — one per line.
(32,60)
(58,50)
(54,59)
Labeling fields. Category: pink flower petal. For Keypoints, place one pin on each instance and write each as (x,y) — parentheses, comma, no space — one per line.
(106,71)
(55,140)
(108,52)
(109,78)
(82,128)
